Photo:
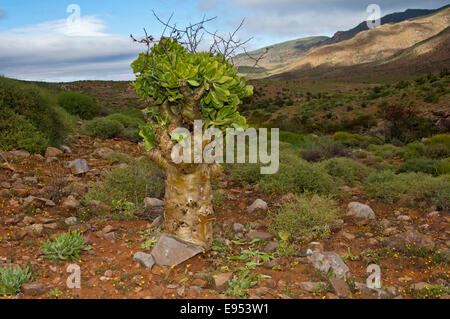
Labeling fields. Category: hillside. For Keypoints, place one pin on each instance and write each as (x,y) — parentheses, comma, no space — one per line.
(278,56)
(390,18)
(370,54)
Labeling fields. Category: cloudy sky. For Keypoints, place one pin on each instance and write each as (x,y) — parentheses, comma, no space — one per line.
(59,40)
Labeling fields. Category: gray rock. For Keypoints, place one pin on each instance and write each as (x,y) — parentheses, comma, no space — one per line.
(258,204)
(410,237)
(324,261)
(52,152)
(360,211)
(371,292)
(170,250)
(145,260)
(158,221)
(66,149)
(70,221)
(78,166)
(238,227)
(153,202)
(103,152)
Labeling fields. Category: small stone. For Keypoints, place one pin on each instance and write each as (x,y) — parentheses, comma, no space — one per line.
(70,204)
(404,218)
(310,286)
(348,236)
(324,261)
(107,229)
(340,287)
(260,234)
(103,152)
(420,285)
(220,282)
(270,264)
(108,273)
(52,152)
(70,221)
(238,227)
(433,214)
(181,292)
(258,205)
(78,166)
(110,236)
(145,260)
(33,289)
(158,222)
(153,202)
(360,211)
(66,149)
(271,247)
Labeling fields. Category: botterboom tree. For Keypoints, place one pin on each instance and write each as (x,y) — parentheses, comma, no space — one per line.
(182,85)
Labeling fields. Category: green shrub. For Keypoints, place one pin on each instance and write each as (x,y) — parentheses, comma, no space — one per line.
(424,165)
(387,185)
(437,151)
(17,132)
(30,117)
(134,182)
(246,173)
(298,177)
(347,169)
(118,157)
(443,139)
(12,278)
(414,150)
(103,128)
(64,247)
(310,214)
(349,139)
(442,167)
(386,151)
(78,104)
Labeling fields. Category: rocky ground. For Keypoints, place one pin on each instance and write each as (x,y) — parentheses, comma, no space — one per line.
(410,245)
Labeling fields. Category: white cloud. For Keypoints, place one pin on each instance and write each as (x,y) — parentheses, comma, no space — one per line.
(62,51)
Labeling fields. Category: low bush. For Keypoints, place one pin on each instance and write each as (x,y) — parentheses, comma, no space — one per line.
(103,128)
(387,185)
(346,169)
(386,151)
(30,118)
(424,165)
(78,104)
(309,214)
(134,182)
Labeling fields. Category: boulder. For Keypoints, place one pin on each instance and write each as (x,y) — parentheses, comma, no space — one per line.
(360,211)
(145,260)
(33,289)
(258,205)
(170,250)
(78,166)
(52,152)
(324,261)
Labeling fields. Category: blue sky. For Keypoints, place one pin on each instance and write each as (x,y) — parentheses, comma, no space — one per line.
(37,43)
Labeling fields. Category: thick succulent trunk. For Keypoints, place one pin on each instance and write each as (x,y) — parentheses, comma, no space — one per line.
(188,205)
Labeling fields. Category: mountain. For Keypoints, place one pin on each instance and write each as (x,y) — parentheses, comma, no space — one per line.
(399,46)
(390,18)
(277,57)
(360,46)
